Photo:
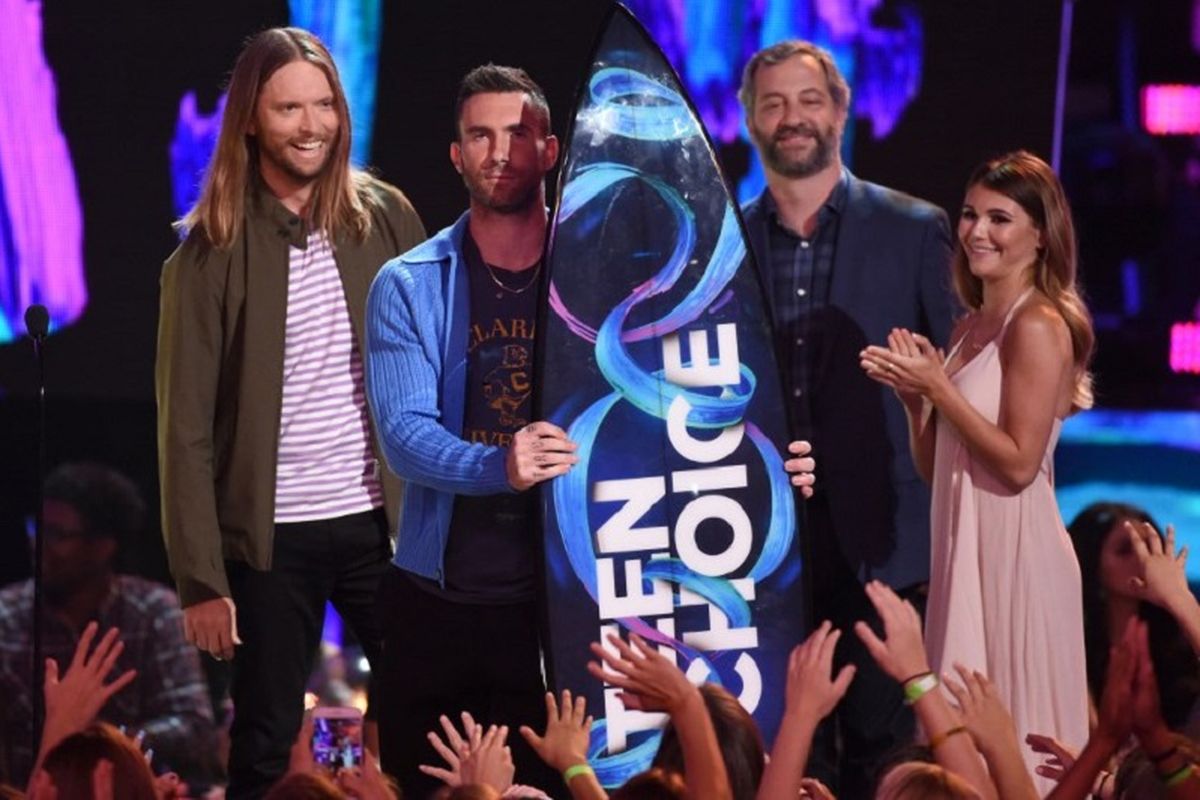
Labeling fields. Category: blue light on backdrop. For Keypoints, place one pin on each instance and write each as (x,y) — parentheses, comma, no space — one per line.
(1150,459)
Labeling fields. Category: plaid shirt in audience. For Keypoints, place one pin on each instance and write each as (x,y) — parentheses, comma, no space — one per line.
(168,699)
(800,271)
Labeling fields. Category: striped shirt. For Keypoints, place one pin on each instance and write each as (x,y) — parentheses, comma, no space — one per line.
(325,466)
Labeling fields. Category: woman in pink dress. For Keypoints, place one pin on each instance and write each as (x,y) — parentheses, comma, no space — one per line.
(1004,593)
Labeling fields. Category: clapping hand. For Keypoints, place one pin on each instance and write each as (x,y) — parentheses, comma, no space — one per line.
(910,364)
(1114,721)
(1146,707)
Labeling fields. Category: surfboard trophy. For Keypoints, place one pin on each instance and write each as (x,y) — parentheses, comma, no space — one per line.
(679,522)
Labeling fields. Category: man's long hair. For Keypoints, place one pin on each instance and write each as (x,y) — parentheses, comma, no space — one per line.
(339,201)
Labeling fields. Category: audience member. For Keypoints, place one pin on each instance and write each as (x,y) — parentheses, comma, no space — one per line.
(304,779)
(739,739)
(1128,570)
(95,763)
(89,510)
(1129,704)
(73,747)
(916,780)
(654,784)
(650,682)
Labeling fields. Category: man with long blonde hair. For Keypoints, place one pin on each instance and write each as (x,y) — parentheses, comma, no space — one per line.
(274,500)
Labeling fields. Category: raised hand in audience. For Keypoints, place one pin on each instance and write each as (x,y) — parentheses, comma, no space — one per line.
(901,654)
(650,682)
(647,679)
(452,750)
(75,698)
(1162,577)
(991,727)
(564,745)
(488,761)
(812,693)
(568,731)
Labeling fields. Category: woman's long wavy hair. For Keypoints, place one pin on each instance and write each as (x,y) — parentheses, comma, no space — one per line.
(339,202)
(1030,183)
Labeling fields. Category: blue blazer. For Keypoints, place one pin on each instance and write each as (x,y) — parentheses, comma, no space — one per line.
(890,270)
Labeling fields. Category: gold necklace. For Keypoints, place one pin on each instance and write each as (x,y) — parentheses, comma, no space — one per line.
(532,280)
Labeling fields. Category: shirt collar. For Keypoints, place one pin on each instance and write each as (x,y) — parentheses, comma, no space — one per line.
(835,202)
(264,206)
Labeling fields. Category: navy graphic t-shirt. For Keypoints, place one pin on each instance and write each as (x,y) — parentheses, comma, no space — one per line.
(491,551)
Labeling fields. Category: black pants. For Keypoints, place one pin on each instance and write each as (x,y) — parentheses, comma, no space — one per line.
(871,720)
(441,657)
(280,614)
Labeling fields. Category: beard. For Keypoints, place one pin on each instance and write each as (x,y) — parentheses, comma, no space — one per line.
(513,198)
(825,146)
(299,171)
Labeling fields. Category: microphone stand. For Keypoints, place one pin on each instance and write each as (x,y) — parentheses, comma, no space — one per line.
(37,323)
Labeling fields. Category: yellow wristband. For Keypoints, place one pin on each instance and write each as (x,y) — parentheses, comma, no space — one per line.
(575,771)
(919,686)
(1178,776)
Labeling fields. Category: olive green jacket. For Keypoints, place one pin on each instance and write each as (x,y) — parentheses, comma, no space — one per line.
(219,380)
